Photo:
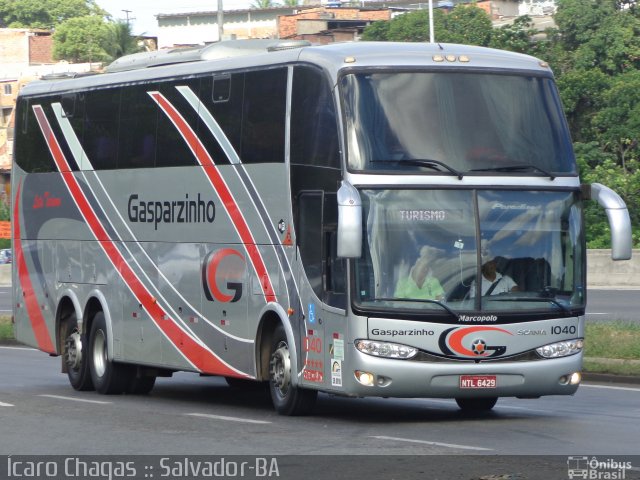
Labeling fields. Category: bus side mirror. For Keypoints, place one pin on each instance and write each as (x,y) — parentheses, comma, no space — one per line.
(349,222)
(618,216)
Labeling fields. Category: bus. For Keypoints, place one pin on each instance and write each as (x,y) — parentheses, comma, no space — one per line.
(360,219)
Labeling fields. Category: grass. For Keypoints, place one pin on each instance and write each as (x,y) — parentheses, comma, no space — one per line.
(6,328)
(611,347)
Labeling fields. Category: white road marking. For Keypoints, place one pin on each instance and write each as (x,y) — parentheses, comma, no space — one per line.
(73,399)
(20,348)
(425,442)
(629,389)
(2,404)
(228,419)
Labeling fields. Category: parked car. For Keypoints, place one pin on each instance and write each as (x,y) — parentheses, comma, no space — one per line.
(6,256)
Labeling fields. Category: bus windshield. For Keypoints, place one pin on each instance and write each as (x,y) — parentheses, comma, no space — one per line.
(449,251)
(450,122)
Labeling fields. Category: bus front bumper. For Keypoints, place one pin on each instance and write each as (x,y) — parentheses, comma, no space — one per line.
(413,379)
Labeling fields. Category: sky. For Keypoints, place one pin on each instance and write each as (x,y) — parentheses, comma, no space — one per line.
(142,12)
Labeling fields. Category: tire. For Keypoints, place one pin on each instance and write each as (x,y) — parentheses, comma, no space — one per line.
(287,399)
(476,405)
(108,377)
(75,356)
(140,385)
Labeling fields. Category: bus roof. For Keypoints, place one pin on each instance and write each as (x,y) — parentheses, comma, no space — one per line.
(242,54)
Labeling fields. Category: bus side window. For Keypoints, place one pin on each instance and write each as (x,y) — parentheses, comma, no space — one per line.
(314,128)
(264,116)
(138,127)
(31,151)
(100,139)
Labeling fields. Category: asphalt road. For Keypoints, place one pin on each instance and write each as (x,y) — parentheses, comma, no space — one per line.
(41,414)
(603,305)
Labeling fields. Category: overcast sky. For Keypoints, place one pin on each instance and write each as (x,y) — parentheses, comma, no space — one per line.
(144,11)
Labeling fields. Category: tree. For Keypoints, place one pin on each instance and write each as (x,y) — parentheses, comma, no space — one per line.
(261,4)
(464,24)
(45,13)
(84,39)
(618,122)
(377,31)
(579,19)
(581,92)
(123,42)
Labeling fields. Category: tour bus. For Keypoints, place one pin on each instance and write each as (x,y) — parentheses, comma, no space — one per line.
(361,219)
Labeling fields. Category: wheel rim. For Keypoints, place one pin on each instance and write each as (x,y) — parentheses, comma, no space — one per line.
(280,369)
(100,353)
(73,351)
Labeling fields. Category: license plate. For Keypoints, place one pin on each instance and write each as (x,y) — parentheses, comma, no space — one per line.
(477,381)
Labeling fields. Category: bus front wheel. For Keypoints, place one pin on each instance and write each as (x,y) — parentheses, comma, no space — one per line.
(287,398)
(108,377)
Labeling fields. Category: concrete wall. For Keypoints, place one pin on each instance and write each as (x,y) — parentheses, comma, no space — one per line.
(602,272)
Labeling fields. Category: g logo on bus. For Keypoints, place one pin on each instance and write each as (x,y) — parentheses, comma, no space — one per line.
(222,266)
(454,342)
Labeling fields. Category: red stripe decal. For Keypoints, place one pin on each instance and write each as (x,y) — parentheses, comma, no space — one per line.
(38,324)
(197,354)
(222,190)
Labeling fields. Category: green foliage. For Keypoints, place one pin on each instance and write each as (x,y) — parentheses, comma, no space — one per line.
(464,24)
(581,91)
(123,42)
(83,39)
(259,4)
(45,13)
(377,31)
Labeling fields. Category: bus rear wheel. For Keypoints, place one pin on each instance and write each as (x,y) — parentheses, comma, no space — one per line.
(287,398)
(108,377)
(476,405)
(75,356)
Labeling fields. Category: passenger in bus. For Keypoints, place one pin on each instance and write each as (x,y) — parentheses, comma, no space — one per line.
(420,284)
(493,283)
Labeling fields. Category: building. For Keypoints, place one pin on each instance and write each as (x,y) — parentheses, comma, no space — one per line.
(327,25)
(201,28)
(25,55)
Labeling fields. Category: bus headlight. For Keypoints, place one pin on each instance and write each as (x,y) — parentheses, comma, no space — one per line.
(385,349)
(561,349)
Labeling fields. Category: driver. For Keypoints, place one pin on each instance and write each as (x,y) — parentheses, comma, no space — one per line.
(493,283)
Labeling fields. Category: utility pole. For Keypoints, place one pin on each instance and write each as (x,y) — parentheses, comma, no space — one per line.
(220,21)
(127,12)
(431,33)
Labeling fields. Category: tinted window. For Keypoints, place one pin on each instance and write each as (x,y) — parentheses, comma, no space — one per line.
(222,96)
(100,141)
(263,117)
(32,153)
(314,132)
(173,150)
(310,238)
(138,127)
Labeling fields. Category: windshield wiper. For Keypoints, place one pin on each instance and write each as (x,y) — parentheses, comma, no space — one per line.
(562,307)
(424,162)
(419,300)
(516,168)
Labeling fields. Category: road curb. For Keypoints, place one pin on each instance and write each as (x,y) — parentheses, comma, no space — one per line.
(609,378)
